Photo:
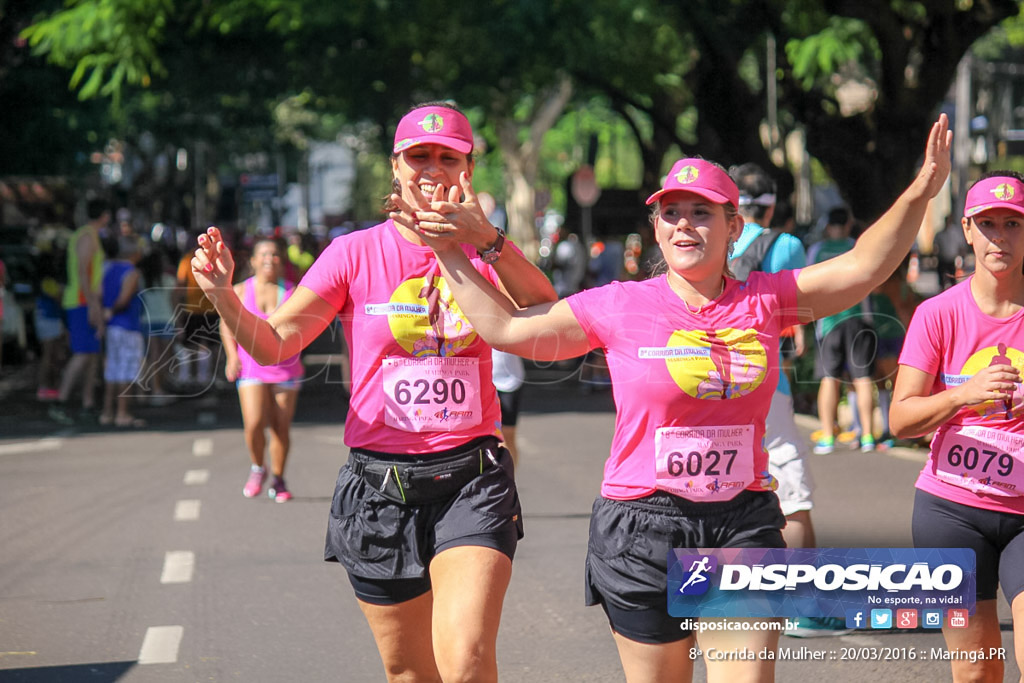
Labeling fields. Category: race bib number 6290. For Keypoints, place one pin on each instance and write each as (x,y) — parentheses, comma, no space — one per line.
(434,394)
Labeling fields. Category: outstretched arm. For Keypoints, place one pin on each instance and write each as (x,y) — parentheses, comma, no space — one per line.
(286,332)
(835,285)
(547,331)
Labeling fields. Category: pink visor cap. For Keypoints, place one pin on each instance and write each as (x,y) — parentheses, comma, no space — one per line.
(434,125)
(997,192)
(702,178)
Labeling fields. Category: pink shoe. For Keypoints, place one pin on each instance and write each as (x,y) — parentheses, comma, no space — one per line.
(278,491)
(45,394)
(253,486)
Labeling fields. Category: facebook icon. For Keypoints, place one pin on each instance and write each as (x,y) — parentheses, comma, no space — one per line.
(855,618)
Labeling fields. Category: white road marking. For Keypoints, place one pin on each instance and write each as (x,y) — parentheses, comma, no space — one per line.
(48,444)
(178,566)
(202,447)
(186,510)
(160,646)
(196,477)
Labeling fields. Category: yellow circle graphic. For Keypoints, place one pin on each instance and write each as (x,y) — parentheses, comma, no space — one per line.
(997,355)
(432,123)
(687,175)
(438,328)
(719,365)
(1003,191)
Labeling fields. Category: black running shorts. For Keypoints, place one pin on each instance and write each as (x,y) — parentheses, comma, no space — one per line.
(386,547)
(997,539)
(627,555)
(851,345)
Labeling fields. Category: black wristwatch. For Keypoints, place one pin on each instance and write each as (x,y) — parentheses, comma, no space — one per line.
(491,254)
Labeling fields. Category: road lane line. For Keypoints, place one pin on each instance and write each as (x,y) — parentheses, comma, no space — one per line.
(196,477)
(48,444)
(202,447)
(178,566)
(160,646)
(186,510)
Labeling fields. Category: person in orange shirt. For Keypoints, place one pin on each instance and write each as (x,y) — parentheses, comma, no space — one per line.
(199,331)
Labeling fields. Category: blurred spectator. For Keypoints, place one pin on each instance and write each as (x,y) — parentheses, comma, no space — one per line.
(568,264)
(606,262)
(300,253)
(83,308)
(158,326)
(49,320)
(892,307)
(951,250)
(842,342)
(122,309)
(200,329)
(508,374)
(784,219)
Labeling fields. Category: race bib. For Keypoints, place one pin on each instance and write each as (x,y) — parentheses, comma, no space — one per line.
(433,394)
(981,459)
(704,464)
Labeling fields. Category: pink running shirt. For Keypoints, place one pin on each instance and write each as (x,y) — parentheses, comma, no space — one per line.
(396,310)
(949,337)
(668,363)
(268,374)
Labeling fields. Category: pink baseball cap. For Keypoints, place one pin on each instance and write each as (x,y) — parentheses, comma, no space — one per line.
(434,125)
(997,192)
(702,178)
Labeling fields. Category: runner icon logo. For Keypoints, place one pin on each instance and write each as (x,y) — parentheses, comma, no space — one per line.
(698,567)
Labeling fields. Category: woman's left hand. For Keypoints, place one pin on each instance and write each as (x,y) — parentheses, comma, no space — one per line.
(457,216)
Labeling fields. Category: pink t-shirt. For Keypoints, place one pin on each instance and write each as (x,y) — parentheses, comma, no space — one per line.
(951,338)
(269,374)
(421,375)
(668,363)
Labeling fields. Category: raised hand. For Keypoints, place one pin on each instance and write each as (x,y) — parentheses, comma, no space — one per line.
(212,264)
(936,166)
(438,234)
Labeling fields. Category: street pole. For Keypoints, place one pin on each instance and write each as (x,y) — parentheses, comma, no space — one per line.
(199,201)
(961,133)
(772,97)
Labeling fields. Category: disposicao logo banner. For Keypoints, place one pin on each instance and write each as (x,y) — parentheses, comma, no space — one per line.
(817,582)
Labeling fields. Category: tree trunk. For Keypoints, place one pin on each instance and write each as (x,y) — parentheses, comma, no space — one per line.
(522,159)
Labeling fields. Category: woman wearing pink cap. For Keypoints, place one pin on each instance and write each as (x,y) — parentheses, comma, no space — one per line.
(959,376)
(690,357)
(425,516)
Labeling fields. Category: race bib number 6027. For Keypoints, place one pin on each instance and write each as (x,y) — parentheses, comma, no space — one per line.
(704,463)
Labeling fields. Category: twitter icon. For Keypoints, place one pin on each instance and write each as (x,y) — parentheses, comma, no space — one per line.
(881,618)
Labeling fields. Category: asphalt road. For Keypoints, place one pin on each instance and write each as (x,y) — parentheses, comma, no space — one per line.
(132,556)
